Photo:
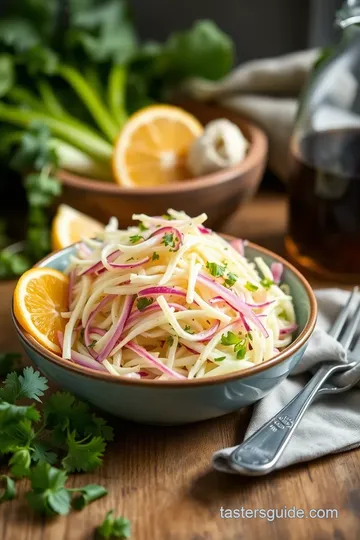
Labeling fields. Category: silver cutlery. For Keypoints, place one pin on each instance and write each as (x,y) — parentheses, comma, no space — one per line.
(260,453)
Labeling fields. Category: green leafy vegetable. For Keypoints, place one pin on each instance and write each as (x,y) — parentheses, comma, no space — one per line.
(216,270)
(48,495)
(239,343)
(114,527)
(266,283)
(168,240)
(8,362)
(83,455)
(155,256)
(251,287)
(20,463)
(231,279)
(28,385)
(142,303)
(7,488)
(136,238)
(88,494)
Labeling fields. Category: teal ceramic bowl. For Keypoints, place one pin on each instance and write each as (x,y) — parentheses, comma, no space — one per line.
(180,402)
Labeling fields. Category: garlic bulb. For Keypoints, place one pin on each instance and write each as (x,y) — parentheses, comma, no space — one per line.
(221,145)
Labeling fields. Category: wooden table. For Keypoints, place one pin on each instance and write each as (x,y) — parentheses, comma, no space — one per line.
(161,479)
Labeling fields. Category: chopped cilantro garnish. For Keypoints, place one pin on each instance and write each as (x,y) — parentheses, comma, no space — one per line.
(142,303)
(239,343)
(231,279)
(220,359)
(250,286)
(229,339)
(266,283)
(169,340)
(167,216)
(168,240)
(142,227)
(92,344)
(130,259)
(155,256)
(216,270)
(136,238)
(188,329)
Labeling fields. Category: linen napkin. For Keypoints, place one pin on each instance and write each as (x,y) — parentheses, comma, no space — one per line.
(266,91)
(332,423)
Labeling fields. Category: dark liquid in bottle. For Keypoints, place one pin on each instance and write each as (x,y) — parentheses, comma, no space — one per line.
(324,214)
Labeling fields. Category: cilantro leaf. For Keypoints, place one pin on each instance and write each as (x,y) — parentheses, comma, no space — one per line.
(168,240)
(28,385)
(20,463)
(267,283)
(16,435)
(188,329)
(48,495)
(231,279)
(240,349)
(114,527)
(155,256)
(142,303)
(216,270)
(8,361)
(11,413)
(250,286)
(229,339)
(42,453)
(83,455)
(88,494)
(136,238)
(64,412)
(170,340)
(220,358)
(7,488)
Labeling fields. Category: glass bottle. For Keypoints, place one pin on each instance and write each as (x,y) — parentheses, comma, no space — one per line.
(324,183)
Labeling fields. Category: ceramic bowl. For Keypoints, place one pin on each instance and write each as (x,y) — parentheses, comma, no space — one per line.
(180,402)
(218,194)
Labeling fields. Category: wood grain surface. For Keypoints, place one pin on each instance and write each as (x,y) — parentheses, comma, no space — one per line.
(161,479)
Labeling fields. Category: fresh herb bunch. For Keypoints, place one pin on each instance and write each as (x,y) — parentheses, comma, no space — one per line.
(71,73)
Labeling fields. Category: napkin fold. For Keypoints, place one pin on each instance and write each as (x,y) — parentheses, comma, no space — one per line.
(332,423)
(266,91)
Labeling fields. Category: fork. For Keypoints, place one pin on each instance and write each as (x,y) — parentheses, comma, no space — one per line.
(260,453)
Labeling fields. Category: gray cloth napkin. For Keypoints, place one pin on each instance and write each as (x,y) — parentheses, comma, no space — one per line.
(266,91)
(332,424)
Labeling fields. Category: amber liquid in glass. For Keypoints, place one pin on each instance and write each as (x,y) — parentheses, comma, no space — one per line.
(324,212)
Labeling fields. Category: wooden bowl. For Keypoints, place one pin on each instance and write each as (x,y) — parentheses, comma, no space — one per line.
(218,194)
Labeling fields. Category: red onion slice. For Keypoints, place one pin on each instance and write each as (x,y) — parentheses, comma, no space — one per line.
(206,335)
(233,301)
(92,316)
(277,271)
(118,329)
(154,291)
(204,230)
(81,359)
(125,266)
(239,245)
(288,329)
(143,353)
(136,315)
(99,265)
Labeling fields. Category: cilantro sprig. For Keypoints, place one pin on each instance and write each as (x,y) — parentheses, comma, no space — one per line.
(113,527)
(66,433)
(142,303)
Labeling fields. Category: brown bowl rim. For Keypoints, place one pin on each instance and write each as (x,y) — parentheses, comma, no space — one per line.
(248,372)
(256,154)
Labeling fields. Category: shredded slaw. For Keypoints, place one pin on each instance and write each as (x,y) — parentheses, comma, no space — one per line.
(170,299)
